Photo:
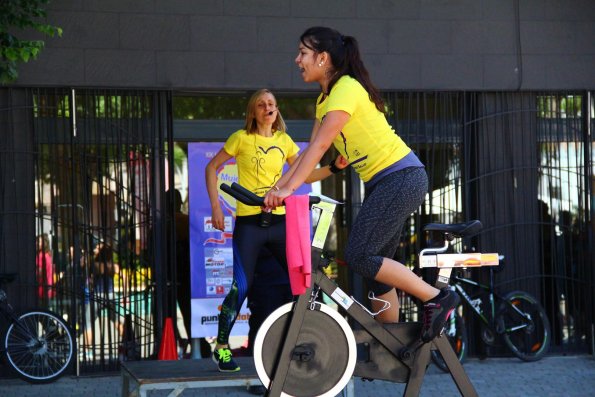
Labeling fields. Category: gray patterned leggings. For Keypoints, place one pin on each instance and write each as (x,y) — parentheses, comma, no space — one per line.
(377,229)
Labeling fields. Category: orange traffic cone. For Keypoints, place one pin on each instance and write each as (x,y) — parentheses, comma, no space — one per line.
(168,350)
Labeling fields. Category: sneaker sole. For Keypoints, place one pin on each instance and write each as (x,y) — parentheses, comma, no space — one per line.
(229,370)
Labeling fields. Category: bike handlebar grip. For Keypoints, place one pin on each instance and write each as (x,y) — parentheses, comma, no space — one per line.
(245,196)
(239,194)
(247,193)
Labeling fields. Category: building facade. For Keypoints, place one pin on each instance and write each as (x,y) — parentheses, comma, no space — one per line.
(496,97)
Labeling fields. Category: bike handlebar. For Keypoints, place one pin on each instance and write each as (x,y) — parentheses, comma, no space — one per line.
(245,196)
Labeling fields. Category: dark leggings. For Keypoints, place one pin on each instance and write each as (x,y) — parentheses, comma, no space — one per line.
(377,229)
(248,240)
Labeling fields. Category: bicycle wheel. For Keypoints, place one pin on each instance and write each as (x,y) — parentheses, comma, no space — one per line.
(524,326)
(323,359)
(456,333)
(39,346)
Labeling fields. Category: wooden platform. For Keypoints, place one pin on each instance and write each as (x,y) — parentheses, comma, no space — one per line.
(140,376)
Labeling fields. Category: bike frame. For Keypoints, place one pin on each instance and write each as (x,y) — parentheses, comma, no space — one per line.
(468,300)
(493,298)
(415,356)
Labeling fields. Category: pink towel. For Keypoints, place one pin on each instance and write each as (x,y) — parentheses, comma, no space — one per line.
(299,256)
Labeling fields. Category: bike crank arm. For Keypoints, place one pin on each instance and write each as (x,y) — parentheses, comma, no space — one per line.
(407,353)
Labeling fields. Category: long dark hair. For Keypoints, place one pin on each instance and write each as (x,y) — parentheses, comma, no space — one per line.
(345,56)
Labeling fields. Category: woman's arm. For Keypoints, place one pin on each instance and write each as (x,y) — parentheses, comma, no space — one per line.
(322,138)
(317,174)
(220,158)
(295,161)
(321,173)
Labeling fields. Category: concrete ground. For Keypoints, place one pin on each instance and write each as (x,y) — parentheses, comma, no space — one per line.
(497,377)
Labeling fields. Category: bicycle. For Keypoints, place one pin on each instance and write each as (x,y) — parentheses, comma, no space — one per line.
(37,345)
(517,317)
(306,348)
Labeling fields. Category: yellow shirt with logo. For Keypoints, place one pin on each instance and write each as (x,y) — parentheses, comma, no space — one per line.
(367,140)
(260,163)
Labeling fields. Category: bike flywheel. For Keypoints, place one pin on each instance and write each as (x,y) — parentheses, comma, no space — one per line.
(323,360)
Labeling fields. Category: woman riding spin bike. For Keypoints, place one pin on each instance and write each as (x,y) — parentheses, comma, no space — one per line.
(350,115)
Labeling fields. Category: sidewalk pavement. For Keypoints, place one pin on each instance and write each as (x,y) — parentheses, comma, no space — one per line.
(498,377)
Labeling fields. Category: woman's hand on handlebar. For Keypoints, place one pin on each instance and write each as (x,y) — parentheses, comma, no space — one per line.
(274,198)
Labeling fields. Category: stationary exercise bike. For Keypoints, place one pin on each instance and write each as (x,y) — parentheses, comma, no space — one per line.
(306,348)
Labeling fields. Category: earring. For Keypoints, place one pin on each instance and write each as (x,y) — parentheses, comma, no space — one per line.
(320,64)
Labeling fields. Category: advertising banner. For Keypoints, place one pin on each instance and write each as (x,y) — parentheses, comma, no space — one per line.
(211,253)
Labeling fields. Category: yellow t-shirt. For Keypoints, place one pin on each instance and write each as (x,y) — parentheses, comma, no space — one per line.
(260,163)
(367,140)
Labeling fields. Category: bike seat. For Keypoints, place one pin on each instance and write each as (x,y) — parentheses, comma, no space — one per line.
(455,229)
(6,278)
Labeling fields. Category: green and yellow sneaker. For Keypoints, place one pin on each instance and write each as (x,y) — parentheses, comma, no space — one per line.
(223,359)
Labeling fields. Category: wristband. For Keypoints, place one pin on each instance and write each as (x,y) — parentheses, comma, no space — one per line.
(334,169)
(275,188)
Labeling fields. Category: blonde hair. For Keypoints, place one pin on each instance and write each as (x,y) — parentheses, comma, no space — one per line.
(250,126)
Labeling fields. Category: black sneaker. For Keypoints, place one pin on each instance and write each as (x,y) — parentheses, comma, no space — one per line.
(436,311)
(222,357)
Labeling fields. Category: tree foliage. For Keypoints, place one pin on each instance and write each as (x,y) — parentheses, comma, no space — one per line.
(16,17)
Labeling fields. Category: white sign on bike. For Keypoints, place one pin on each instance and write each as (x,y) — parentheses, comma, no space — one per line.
(342,298)
(458,260)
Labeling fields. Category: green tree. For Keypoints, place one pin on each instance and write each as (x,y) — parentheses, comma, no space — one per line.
(19,16)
